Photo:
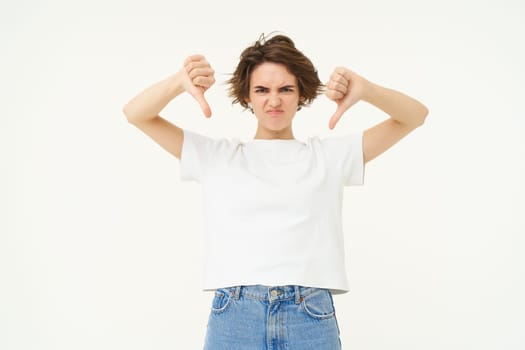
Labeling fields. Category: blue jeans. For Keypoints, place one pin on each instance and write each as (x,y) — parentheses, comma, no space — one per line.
(272,318)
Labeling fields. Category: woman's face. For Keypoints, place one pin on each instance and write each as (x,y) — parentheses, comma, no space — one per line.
(274,96)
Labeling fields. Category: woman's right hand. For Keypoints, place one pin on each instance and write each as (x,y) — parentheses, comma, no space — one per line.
(197,78)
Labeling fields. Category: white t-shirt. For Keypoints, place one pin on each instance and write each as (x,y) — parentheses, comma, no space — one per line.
(273,208)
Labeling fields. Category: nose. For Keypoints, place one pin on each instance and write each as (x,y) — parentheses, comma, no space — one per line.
(274,100)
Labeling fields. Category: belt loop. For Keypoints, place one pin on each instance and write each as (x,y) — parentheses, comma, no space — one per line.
(297,295)
(237,292)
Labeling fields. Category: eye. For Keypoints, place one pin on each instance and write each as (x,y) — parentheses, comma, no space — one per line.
(260,90)
(287,89)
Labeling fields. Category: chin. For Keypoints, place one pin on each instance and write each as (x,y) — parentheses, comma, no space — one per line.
(277,128)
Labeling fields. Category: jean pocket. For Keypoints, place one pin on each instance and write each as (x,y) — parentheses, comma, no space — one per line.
(221,301)
(319,305)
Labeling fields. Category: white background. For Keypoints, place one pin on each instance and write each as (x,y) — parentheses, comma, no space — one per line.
(101,243)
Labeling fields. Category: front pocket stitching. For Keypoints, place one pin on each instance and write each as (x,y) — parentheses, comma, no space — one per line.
(222,309)
(316,316)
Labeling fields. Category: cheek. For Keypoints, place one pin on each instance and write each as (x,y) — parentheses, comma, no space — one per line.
(292,100)
(256,102)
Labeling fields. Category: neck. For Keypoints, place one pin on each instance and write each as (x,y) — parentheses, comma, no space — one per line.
(265,134)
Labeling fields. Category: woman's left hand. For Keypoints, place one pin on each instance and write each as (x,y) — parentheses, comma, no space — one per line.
(345,88)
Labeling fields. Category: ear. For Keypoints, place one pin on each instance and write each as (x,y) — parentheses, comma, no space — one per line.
(247,99)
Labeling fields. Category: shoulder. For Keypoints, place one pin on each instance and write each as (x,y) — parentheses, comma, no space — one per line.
(209,144)
(352,140)
(196,136)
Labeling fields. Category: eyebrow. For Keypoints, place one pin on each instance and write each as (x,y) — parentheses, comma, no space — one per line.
(282,87)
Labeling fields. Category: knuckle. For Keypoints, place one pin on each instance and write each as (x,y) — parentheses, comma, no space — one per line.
(200,80)
(192,74)
(190,59)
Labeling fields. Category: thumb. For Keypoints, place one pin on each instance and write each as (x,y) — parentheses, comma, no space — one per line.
(336,116)
(199,96)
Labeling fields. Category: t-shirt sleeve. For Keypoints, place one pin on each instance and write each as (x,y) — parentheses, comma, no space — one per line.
(345,153)
(198,154)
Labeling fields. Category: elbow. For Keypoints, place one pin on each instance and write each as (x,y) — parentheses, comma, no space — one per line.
(125,111)
(128,114)
(422,116)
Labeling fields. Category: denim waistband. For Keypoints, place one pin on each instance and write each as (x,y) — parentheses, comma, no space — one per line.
(269,293)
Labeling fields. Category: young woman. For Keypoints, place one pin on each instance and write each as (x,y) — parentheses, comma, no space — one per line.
(275,252)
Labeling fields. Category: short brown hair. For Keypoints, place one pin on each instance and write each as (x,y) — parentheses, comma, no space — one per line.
(278,49)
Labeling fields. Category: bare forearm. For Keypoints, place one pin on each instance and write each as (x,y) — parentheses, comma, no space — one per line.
(402,108)
(148,104)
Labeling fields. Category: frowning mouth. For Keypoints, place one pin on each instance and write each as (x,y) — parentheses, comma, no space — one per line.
(274,112)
